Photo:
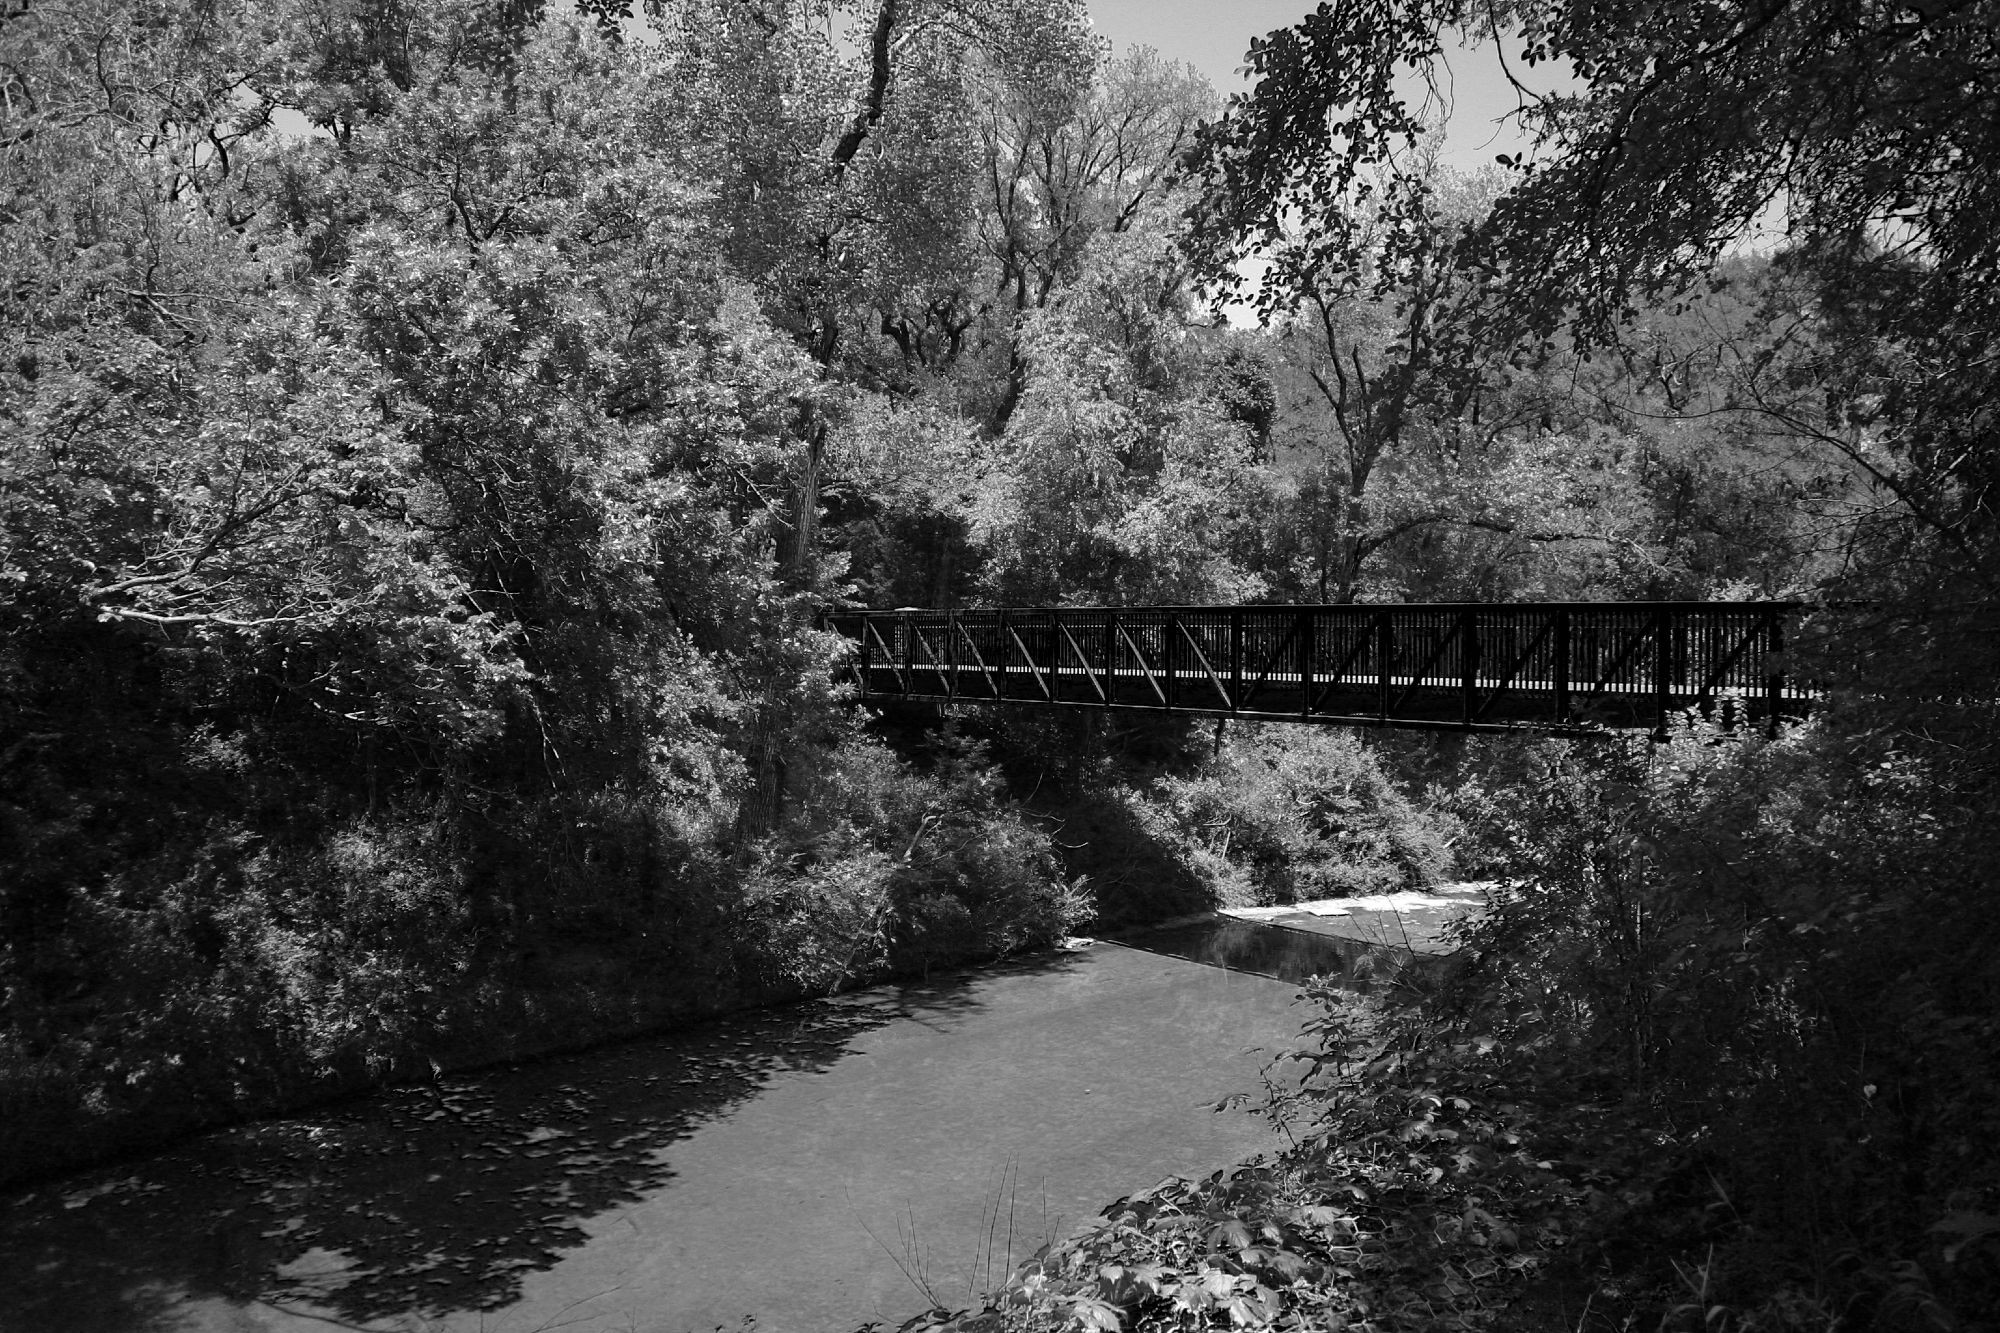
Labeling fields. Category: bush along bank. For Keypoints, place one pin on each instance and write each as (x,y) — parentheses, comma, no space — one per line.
(241,934)
(1719,1057)
(239,971)
(1413,1196)
(1165,817)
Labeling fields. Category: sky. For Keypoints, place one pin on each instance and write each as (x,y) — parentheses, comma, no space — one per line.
(1212,36)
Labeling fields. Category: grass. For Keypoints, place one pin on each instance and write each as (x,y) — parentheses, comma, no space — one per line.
(1001,1242)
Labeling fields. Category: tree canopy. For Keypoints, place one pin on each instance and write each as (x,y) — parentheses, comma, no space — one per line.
(1852,145)
(1859,131)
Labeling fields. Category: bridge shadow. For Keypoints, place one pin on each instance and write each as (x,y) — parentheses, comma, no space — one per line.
(416,1204)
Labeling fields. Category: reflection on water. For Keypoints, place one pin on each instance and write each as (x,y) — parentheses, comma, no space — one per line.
(1279,952)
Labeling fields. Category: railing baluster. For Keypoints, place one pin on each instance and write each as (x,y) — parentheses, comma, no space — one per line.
(1663,665)
(1561,674)
(951,654)
(1306,637)
(867,659)
(1774,676)
(1000,656)
(1236,660)
(1384,647)
(1110,657)
(1468,663)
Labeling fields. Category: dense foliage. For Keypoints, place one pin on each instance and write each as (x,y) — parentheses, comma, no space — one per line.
(409,621)
(1719,1053)
(432,432)
(433,429)
(1283,814)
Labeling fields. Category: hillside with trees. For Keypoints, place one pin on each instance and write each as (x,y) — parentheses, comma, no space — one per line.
(432,432)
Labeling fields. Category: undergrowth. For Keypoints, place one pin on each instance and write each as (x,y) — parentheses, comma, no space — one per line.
(234,951)
(1289,814)
(1414,1197)
(1719,1055)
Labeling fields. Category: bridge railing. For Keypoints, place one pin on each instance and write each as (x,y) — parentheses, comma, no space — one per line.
(1567,665)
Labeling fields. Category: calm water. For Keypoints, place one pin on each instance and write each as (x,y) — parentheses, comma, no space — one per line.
(811,1167)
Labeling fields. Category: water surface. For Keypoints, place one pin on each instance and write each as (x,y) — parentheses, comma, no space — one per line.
(810,1167)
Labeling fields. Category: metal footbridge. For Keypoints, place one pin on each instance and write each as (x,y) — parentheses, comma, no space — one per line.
(1551,666)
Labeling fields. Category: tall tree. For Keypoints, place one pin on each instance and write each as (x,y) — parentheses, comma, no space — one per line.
(1067,160)
(1865,131)
(1123,476)
(1379,338)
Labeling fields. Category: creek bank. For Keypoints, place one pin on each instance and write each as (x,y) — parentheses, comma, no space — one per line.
(566,1002)
(576,1001)
(1425,1187)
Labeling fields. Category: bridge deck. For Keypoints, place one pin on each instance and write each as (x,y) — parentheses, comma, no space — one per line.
(1569,666)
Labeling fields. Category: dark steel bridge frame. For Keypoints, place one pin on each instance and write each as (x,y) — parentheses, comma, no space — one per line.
(1567,667)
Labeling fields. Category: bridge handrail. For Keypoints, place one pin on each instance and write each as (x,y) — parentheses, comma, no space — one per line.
(1317,661)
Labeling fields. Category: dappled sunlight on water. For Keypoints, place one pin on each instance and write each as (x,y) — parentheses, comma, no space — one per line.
(812,1166)
(415,1202)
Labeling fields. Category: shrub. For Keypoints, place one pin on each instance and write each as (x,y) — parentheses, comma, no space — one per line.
(818,925)
(886,863)
(1779,956)
(1285,814)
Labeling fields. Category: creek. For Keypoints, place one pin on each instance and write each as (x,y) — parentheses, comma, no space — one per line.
(810,1167)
